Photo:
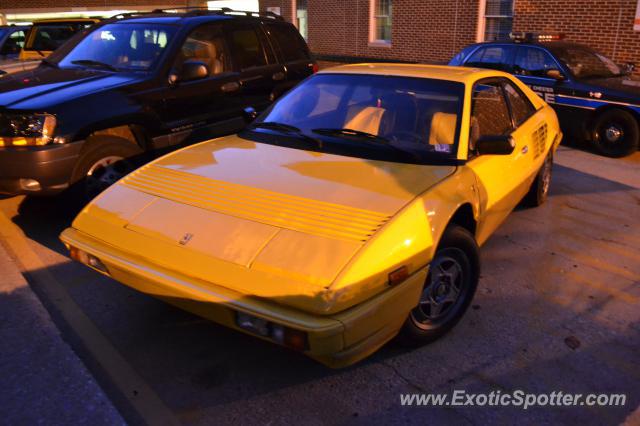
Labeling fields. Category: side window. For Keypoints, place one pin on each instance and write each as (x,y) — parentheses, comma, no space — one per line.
(289,41)
(521,107)
(205,44)
(534,62)
(246,48)
(13,44)
(489,113)
(493,57)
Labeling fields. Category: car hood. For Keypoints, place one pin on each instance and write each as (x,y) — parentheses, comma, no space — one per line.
(289,215)
(46,86)
(625,87)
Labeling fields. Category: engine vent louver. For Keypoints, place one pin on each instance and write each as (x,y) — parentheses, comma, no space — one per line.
(272,208)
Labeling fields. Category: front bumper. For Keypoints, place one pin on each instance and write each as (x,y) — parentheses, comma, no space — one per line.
(336,340)
(49,166)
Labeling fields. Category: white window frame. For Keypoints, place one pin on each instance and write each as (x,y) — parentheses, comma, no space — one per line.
(373,40)
(482,19)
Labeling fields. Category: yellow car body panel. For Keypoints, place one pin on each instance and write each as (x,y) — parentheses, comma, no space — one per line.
(301,238)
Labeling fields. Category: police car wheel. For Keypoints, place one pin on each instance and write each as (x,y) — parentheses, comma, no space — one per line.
(539,190)
(616,133)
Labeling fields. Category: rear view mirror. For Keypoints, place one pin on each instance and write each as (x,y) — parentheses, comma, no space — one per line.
(190,70)
(495,145)
(555,74)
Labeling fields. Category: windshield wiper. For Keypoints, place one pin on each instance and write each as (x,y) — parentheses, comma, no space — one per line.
(285,128)
(94,64)
(362,136)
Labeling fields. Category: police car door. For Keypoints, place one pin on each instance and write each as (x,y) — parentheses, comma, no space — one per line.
(532,65)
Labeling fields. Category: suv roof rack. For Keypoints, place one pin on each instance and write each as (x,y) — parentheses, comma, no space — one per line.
(202,11)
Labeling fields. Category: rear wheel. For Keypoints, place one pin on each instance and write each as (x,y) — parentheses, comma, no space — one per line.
(616,133)
(448,290)
(539,191)
(106,160)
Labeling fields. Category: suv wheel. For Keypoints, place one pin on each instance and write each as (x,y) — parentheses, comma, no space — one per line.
(616,133)
(448,290)
(105,161)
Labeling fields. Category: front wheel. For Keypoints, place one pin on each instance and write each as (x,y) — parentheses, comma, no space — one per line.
(616,133)
(448,290)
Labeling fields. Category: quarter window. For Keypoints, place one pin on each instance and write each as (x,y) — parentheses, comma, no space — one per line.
(521,108)
(291,45)
(494,57)
(302,17)
(246,48)
(381,17)
(533,62)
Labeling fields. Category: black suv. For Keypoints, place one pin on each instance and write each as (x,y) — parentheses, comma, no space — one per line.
(141,84)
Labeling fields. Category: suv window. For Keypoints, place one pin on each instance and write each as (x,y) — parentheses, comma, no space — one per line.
(290,43)
(14,43)
(521,107)
(207,45)
(51,36)
(246,48)
(494,57)
(534,62)
(490,114)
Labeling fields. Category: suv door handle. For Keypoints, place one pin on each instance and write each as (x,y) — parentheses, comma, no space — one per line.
(525,149)
(232,86)
(278,76)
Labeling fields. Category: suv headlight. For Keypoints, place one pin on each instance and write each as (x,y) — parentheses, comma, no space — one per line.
(27,129)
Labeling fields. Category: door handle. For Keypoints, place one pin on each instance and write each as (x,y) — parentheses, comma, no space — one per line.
(232,86)
(278,76)
(525,149)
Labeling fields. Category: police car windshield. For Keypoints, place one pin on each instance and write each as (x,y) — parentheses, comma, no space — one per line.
(128,47)
(397,118)
(586,63)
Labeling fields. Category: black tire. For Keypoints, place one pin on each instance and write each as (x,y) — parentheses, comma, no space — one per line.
(457,250)
(616,133)
(103,161)
(539,191)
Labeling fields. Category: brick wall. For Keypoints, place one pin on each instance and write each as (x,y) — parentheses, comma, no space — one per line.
(605,25)
(423,31)
(15,5)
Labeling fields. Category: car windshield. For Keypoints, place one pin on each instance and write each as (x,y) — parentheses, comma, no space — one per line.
(586,63)
(48,37)
(131,47)
(389,118)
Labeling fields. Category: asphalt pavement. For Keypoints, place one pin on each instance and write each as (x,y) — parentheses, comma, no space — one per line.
(557,309)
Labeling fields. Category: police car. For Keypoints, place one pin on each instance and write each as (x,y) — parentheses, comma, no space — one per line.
(595,98)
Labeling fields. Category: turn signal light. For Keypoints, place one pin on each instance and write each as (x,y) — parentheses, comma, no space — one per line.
(87,259)
(399,275)
(294,339)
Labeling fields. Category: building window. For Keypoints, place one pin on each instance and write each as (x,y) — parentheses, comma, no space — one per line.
(381,18)
(301,17)
(498,19)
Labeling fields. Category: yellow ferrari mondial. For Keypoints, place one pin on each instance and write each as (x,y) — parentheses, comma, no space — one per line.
(349,212)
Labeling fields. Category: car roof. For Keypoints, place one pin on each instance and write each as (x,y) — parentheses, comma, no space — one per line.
(438,72)
(65,20)
(544,44)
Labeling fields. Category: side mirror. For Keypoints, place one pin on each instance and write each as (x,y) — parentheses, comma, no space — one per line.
(555,74)
(249,114)
(629,68)
(190,70)
(495,145)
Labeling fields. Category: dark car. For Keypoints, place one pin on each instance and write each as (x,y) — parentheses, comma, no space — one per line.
(11,41)
(141,84)
(595,98)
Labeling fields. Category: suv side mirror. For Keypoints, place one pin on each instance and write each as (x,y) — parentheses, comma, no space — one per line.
(629,68)
(555,74)
(249,114)
(495,145)
(190,70)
